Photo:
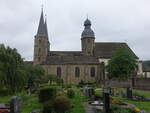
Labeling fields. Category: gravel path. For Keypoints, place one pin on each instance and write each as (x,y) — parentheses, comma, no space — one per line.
(88,108)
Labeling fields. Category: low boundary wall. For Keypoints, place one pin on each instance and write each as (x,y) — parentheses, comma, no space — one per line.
(136,83)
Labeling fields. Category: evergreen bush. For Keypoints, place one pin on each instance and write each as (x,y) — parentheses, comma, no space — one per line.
(48,107)
(61,105)
(70,93)
(4,92)
(46,94)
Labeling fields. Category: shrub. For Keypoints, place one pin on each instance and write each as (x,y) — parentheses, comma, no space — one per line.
(116,101)
(4,92)
(61,105)
(136,110)
(46,94)
(70,93)
(48,107)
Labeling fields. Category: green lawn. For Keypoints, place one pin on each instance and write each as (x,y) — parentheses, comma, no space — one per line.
(145,93)
(29,102)
(141,105)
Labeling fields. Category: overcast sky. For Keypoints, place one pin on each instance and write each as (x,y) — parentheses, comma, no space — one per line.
(112,21)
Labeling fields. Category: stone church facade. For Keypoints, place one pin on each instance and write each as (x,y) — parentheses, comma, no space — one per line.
(87,65)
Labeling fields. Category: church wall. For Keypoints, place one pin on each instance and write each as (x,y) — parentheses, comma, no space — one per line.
(140,68)
(105,61)
(40,49)
(88,46)
(68,73)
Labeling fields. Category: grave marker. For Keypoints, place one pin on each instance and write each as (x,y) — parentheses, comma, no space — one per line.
(15,105)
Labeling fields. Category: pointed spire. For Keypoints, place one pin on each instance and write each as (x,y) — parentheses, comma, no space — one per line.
(41,24)
(45,24)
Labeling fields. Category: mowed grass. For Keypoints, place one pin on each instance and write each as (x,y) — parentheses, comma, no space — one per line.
(29,103)
(145,93)
(139,104)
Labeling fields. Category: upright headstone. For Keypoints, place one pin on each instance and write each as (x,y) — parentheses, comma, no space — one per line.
(88,92)
(129,93)
(106,103)
(110,90)
(15,105)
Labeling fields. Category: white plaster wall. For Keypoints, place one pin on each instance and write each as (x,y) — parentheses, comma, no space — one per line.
(146,74)
(140,68)
(104,60)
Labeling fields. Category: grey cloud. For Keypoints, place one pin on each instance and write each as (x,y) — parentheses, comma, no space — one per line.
(112,20)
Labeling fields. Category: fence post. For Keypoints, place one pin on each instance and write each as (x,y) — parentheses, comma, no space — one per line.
(106,103)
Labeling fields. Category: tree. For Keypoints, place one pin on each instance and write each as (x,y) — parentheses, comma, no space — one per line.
(34,74)
(122,64)
(11,69)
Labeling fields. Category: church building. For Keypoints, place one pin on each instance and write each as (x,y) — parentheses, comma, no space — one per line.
(87,65)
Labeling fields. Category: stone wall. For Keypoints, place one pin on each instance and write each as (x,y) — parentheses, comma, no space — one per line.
(143,83)
(68,73)
(140,83)
(118,83)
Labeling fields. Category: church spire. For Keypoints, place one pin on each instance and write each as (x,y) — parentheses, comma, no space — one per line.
(41,28)
(45,24)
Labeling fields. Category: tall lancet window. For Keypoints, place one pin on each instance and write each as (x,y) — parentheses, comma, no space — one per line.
(59,71)
(92,71)
(77,72)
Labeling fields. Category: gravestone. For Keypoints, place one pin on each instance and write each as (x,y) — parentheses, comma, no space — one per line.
(106,103)
(129,93)
(88,92)
(110,90)
(15,105)
(2,106)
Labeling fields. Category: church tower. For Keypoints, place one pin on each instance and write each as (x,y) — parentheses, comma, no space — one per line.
(41,42)
(88,39)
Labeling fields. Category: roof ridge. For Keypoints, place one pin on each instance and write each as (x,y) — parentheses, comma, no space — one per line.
(112,42)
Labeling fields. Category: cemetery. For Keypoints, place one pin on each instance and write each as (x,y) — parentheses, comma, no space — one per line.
(76,99)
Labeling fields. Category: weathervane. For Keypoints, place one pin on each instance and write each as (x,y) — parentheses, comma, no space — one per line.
(87,16)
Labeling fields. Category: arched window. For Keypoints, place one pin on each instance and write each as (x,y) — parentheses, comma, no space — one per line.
(39,41)
(92,71)
(39,59)
(77,72)
(58,71)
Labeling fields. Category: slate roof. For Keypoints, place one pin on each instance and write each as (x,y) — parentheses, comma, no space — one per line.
(105,49)
(65,53)
(87,32)
(42,29)
(60,60)
(102,50)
